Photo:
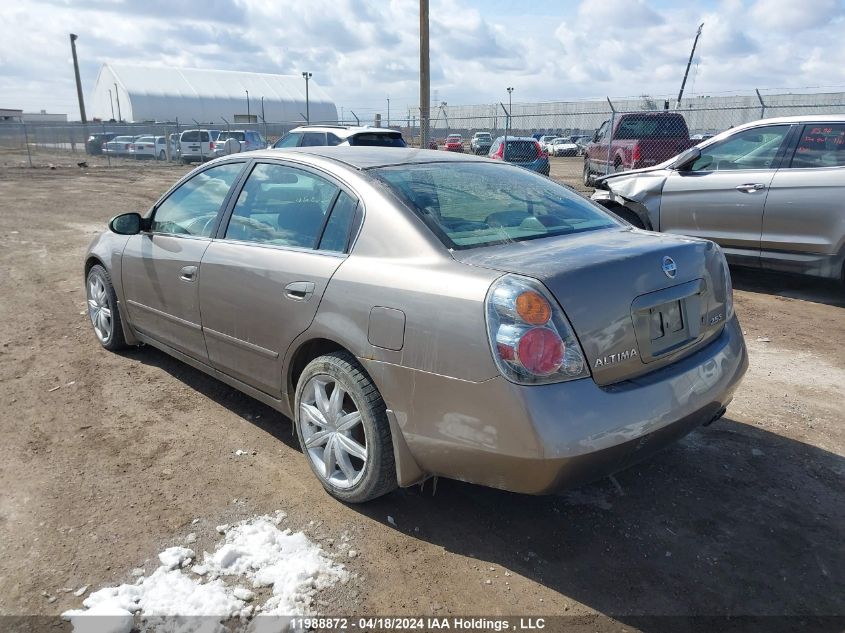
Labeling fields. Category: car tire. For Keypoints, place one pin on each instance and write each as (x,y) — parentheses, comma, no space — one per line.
(102,309)
(588,175)
(629,216)
(617,166)
(162,155)
(360,456)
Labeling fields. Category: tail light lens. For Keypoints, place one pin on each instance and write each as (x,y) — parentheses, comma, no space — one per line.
(211,145)
(500,153)
(635,154)
(539,149)
(530,337)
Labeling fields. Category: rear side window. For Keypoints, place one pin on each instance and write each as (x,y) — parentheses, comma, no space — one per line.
(336,234)
(313,139)
(194,136)
(476,204)
(281,205)
(820,146)
(370,139)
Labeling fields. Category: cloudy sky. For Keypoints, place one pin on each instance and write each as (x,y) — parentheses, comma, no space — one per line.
(362,51)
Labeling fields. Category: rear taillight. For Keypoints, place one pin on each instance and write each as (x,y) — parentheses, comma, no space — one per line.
(530,337)
(500,153)
(635,155)
(211,145)
(539,149)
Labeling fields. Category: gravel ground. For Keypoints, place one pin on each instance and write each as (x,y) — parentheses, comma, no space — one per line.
(109,458)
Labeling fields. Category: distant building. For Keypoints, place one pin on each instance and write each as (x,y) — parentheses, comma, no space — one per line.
(149,93)
(43,117)
(8,115)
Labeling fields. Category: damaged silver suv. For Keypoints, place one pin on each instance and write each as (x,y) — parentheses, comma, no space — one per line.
(770,193)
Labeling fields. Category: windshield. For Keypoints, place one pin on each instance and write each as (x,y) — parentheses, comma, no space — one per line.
(469,205)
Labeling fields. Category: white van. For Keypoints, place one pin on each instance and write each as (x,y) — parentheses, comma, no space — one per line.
(197,145)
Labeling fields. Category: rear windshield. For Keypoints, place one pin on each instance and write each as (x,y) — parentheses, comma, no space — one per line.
(370,139)
(650,127)
(194,136)
(477,204)
(521,151)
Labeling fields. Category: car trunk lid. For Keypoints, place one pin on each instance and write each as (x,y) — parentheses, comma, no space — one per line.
(629,315)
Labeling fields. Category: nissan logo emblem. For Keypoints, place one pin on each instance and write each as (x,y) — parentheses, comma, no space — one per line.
(669,267)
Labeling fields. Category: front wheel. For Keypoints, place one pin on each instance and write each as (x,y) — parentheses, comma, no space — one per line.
(341,422)
(102,309)
(161,155)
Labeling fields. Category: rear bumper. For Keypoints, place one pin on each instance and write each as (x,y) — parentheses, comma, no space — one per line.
(538,439)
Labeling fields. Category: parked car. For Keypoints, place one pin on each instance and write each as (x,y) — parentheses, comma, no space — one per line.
(119,146)
(545,140)
(523,151)
(454,143)
(569,345)
(250,140)
(582,142)
(315,135)
(640,139)
(480,143)
(197,145)
(95,142)
(154,147)
(562,146)
(769,192)
(432,144)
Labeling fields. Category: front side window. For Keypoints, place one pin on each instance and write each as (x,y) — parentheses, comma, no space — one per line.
(192,208)
(289,140)
(821,145)
(477,204)
(281,205)
(756,148)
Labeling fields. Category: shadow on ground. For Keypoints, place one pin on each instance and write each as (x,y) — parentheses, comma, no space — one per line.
(801,287)
(733,520)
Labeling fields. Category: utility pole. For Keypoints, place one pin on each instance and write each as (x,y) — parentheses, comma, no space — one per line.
(249,120)
(73,38)
(307,76)
(111,103)
(689,63)
(117,98)
(425,77)
(262,109)
(388,112)
(508,122)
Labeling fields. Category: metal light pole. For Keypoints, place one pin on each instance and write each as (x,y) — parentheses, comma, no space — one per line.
(247,106)
(262,108)
(111,103)
(117,98)
(73,38)
(508,122)
(307,76)
(388,112)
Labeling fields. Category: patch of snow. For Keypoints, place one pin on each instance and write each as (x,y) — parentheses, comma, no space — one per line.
(174,557)
(255,549)
(81,591)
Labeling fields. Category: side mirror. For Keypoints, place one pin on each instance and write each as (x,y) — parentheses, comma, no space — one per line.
(687,158)
(126,224)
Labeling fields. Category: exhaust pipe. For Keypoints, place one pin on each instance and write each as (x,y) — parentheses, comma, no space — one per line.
(718,415)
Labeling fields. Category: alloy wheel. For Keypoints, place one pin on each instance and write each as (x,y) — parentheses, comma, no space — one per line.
(332,432)
(99,309)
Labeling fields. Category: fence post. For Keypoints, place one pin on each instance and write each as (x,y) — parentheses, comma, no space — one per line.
(762,104)
(609,135)
(108,154)
(26,142)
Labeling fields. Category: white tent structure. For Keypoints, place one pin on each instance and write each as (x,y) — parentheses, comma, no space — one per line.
(152,93)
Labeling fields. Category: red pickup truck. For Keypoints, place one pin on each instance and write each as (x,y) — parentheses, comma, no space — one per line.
(639,139)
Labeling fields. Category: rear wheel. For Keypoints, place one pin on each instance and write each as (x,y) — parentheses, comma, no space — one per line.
(161,155)
(629,216)
(341,422)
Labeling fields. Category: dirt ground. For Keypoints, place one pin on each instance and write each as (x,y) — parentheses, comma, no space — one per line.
(108,458)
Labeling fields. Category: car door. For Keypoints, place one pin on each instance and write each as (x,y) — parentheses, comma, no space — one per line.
(722,194)
(804,217)
(160,267)
(262,280)
(597,150)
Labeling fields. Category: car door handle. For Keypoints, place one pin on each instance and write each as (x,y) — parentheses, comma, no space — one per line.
(299,290)
(188,273)
(751,187)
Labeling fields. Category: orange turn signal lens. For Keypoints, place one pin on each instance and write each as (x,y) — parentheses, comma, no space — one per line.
(533,308)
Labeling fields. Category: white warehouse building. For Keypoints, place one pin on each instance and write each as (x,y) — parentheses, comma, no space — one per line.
(153,93)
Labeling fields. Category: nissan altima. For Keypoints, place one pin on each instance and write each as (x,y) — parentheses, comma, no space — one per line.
(420,313)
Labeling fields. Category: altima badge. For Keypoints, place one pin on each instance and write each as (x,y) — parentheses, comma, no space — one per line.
(669,267)
(615,358)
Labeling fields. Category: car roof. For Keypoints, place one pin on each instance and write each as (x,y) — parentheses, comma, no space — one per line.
(369,157)
(345,131)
